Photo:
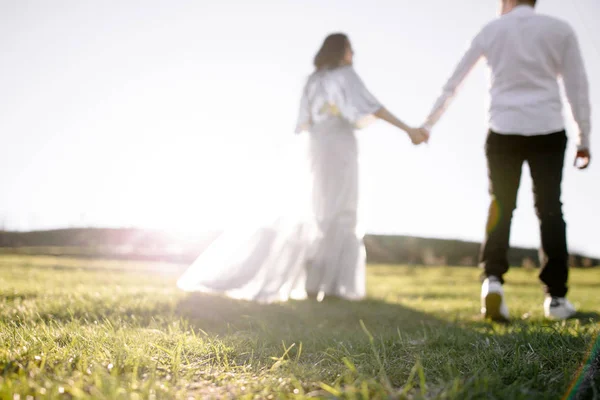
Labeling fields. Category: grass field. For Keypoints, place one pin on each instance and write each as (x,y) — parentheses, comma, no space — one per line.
(118,330)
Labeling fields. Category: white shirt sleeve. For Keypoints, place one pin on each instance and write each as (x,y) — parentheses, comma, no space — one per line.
(577,89)
(464,67)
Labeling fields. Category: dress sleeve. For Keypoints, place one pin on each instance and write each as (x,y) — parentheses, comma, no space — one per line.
(358,105)
(304,118)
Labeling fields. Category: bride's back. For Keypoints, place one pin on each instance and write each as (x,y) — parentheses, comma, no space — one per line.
(336,95)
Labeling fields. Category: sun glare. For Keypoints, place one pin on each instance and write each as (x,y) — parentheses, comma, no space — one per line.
(248,187)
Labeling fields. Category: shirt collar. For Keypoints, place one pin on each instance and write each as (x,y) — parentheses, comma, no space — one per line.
(522,9)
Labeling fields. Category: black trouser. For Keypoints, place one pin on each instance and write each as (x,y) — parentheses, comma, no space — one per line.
(545,155)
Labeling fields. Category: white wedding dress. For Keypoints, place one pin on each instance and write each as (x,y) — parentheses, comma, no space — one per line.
(310,242)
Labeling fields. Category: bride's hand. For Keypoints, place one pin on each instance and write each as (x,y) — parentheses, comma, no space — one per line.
(418,135)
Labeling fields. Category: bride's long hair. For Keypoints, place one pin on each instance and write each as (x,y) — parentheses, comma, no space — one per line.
(332,52)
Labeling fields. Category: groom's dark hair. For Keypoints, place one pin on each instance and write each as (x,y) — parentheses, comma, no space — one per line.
(530,2)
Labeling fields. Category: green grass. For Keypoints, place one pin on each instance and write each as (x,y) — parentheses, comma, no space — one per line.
(118,330)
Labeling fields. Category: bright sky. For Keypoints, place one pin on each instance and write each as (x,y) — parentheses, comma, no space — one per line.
(155,113)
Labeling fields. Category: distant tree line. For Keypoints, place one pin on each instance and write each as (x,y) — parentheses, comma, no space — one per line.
(144,244)
(386,249)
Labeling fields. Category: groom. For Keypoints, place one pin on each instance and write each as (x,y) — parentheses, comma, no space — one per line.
(527,53)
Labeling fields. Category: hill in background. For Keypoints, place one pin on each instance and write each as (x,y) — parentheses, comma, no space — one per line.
(141,244)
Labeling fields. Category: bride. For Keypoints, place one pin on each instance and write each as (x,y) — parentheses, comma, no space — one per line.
(315,247)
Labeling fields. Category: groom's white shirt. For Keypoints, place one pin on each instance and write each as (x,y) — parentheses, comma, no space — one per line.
(527,53)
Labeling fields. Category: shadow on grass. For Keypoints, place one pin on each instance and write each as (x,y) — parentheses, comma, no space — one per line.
(526,358)
(332,317)
(218,314)
(587,317)
(478,322)
(533,281)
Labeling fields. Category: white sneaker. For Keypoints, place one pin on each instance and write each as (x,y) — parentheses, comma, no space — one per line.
(493,305)
(558,308)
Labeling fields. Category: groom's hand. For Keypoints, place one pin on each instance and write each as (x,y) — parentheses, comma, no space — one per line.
(418,135)
(582,159)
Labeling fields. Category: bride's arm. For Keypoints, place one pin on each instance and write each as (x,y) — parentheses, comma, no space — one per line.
(387,116)
(416,135)
(361,104)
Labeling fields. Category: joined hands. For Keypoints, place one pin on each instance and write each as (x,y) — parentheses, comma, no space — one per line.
(418,135)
